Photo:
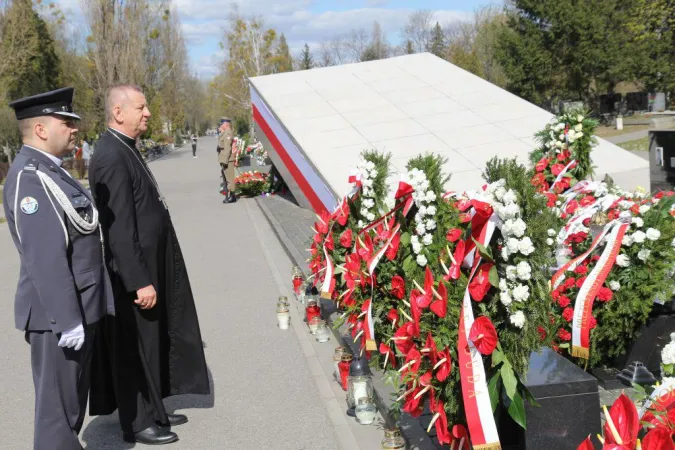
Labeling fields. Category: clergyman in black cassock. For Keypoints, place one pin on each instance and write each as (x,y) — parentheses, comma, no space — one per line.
(154,342)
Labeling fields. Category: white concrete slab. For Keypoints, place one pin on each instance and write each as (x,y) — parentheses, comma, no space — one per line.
(409,105)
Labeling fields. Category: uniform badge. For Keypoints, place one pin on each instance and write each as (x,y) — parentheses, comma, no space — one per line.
(29,205)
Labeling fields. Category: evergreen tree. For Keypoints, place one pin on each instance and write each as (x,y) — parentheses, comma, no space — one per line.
(409,48)
(306,59)
(155,130)
(29,62)
(283,61)
(437,46)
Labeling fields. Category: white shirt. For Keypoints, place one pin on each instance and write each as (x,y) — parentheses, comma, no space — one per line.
(54,159)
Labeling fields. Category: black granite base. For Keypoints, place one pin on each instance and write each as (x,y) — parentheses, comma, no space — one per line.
(568,411)
(654,335)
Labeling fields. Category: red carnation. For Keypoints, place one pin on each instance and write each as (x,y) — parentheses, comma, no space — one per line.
(564,301)
(453,234)
(568,314)
(542,332)
(538,179)
(483,335)
(572,207)
(465,217)
(569,283)
(557,169)
(580,282)
(581,270)
(659,195)
(605,294)
(592,322)
(555,294)
(541,165)
(398,287)
(564,335)
(552,199)
(563,184)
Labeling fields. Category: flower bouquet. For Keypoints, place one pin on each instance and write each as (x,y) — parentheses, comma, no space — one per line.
(238,150)
(251,184)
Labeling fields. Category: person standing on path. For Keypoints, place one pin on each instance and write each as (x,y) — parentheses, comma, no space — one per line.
(154,342)
(63,290)
(194,145)
(225,159)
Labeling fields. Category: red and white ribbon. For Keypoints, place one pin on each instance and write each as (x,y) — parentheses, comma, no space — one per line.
(562,174)
(583,306)
(328,285)
(477,406)
(662,399)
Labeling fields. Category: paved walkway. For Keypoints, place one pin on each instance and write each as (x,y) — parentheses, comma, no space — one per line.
(635,135)
(271,388)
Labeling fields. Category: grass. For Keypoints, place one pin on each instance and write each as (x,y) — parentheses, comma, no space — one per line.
(638,145)
(2,220)
(605,132)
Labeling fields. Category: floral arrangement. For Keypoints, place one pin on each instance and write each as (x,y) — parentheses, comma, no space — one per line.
(251,184)
(259,153)
(564,156)
(429,317)
(238,150)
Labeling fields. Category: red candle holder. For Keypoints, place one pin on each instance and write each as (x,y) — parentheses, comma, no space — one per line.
(312,311)
(343,366)
(297,283)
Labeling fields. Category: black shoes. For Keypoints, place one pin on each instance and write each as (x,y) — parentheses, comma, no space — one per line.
(231,198)
(177,419)
(154,435)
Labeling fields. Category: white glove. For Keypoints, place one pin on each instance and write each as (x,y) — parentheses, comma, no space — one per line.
(73,338)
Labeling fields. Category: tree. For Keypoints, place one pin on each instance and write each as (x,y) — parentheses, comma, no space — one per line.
(437,45)
(409,49)
(155,124)
(306,60)
(29,64)
(418,30)
(283,61)
(378,48)
(552,46)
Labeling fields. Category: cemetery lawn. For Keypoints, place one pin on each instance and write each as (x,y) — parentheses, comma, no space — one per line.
(638,145)
(605,132)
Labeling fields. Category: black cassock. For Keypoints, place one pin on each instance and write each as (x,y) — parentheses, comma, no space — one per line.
(145,355)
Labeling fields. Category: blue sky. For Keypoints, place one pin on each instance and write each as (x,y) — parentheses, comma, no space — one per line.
(310,21)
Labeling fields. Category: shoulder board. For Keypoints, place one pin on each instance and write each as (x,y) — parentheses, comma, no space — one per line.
(31,165)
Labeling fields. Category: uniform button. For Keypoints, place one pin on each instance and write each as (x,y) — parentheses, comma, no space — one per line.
(52,321)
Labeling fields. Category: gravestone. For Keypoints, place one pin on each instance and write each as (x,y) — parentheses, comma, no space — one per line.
(568,411)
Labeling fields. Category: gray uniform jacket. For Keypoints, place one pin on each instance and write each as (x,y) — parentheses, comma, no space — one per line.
(60,285)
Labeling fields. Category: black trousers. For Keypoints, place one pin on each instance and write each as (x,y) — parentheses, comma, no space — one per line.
(194,149)
(61,379)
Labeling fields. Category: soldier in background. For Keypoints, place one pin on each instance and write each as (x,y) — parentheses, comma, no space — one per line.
(225,141)
(63,290)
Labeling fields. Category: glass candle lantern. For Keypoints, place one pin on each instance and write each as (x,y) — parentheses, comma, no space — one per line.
(283,317)
(298,278)
(312,310)
(337,357)
(314,324)
(393,440)
(344,365)
(360,384)
(322,333)
(366,411)
(283,301)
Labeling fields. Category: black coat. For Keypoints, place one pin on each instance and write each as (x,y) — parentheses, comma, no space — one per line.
(142,249)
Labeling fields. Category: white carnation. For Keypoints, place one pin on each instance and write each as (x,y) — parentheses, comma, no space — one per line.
(422,211)
(370,165)
(525,246)
(644,209)
(644,254)
(580,118)
(390,202)
(521,293)
(578,128)
(653,234)
(668,353)
(430,196)
(427,239)
(367,182)
(505,298)
(361,224)
(424,184)
(417,247)
(614,285)
(627,240)
(499,193)
(579,135)
(524,271)
(431,210)
(511,211)
(622,261)
(364,211)
(511,273)
(368,203)
(507,228)
(509,197)
(551,232)
(512,245)
(518,227)
(549,241)
(639,237)
(505,253)
(503,286)
(414,239)
(518,319)
(421,229)
(422,260)
(431,224)
(370,216)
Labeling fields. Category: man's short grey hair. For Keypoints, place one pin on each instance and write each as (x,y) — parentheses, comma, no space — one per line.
(116,94)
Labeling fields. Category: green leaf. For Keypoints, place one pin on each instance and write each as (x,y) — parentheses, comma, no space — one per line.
(484,252)
(509,378)
(408,264)
(517,411)
(494,276)
(528,396)
(405,239)
(497,357)
(494,386)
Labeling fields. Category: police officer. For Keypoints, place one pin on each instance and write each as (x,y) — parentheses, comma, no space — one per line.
(63,289)
(225,158)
